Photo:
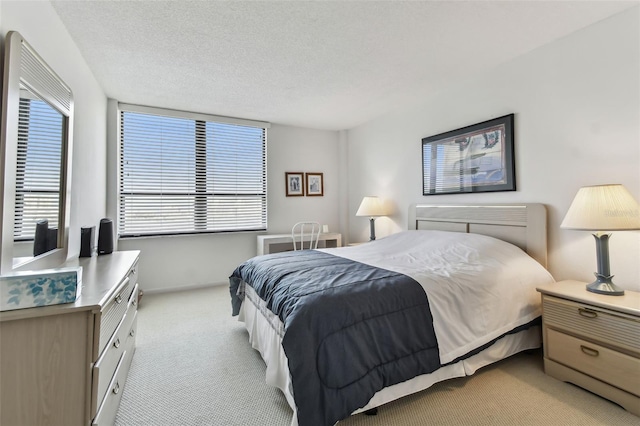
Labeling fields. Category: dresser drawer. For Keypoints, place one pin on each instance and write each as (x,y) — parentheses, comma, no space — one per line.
(114,311)
(130,346)
(105,367)
(615,368)
(593,323)
(107,412)
(133,274)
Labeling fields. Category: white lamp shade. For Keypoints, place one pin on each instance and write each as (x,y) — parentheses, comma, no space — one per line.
(603,208)
(371,206)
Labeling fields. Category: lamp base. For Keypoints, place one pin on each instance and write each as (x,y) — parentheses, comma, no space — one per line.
(604,285)
(372,228)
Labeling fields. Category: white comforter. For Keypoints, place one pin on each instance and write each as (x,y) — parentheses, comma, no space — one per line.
(478,287)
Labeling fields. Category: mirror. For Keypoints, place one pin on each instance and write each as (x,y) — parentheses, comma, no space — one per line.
(36,160)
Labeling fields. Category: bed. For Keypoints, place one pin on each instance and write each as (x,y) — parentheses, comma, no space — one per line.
(349,329)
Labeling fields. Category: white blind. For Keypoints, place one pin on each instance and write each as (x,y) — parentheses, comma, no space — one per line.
(443,168)
(38,167)
(180,176)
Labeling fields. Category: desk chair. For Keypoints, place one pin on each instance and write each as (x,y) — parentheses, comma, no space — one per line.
(305,233)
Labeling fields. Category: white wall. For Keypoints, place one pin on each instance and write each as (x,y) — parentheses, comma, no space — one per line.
(295,149)
(169,263)
(40,26)
(577,122)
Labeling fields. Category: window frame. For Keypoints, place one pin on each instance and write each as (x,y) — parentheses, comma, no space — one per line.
(200,164)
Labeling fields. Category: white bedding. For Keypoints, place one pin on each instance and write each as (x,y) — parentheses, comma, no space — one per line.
(478,287)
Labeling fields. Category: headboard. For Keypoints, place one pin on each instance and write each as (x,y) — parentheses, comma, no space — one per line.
(523,225)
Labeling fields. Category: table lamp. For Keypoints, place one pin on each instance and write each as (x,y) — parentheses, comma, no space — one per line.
(372,207)
(603,208)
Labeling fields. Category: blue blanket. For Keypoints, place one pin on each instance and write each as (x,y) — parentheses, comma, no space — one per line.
(350,329)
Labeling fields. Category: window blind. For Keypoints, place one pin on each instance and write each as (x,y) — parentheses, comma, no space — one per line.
(190,175)
(441,168)
(38,167)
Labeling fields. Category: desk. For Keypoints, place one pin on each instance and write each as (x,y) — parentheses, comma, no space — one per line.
(275,243)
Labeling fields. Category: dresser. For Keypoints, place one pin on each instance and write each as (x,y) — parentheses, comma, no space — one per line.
(593,341)
(67,364)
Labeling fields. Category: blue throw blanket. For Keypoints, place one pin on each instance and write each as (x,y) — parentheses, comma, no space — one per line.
(350,329)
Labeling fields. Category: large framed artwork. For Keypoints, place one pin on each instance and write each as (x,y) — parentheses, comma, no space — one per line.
(477,158)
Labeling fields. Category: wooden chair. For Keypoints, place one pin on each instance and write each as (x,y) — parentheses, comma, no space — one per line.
(305,234)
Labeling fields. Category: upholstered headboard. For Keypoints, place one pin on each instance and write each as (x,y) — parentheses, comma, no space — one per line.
(524,225)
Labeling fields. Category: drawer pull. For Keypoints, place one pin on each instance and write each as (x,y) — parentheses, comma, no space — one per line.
(589,351)
(116,388)
(117,343)
(119,298)
(132,332)
(587,313)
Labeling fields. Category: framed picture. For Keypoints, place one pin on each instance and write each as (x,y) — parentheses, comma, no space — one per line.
(315,186)
(294,184)
(477,158)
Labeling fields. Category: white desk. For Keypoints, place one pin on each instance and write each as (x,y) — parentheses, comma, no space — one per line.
(275,243)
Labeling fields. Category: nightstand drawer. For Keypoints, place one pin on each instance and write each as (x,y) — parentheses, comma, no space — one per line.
(593,323)
(615,368)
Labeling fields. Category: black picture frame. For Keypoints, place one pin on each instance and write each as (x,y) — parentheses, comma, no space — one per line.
(476,158)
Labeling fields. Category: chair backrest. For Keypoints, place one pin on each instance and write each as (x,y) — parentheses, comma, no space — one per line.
(305,235)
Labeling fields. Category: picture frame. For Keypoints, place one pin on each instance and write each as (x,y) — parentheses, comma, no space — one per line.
(294,184)
(476,158)
(314,184)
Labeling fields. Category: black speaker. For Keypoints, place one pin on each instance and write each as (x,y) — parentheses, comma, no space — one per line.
(105,236)
(86,241)
(40,237)
(52,239)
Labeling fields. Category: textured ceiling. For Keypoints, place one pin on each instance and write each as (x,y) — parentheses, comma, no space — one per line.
(326,65)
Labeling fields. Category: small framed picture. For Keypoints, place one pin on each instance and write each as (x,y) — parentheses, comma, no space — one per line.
(294,184)
(315,186)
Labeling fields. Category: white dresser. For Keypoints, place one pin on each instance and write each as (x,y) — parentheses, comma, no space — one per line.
(67,364)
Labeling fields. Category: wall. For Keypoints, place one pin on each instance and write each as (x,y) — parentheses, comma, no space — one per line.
(40,26)
(182,262)
(577,122)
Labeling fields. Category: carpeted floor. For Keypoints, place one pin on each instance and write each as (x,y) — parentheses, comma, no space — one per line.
(194,366)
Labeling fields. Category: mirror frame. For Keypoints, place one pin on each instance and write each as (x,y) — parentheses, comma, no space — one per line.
(22,64)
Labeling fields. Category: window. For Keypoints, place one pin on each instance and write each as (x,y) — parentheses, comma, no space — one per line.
(188,173)
(38,168)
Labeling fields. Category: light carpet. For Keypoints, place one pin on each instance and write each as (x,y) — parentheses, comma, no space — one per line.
(193,365)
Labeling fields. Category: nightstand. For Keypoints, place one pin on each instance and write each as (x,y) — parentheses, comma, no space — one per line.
(593,341)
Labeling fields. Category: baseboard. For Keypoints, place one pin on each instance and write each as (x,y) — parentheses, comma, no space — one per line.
(183,288)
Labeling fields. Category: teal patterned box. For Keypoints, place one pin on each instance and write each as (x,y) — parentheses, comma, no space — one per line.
(29,289)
